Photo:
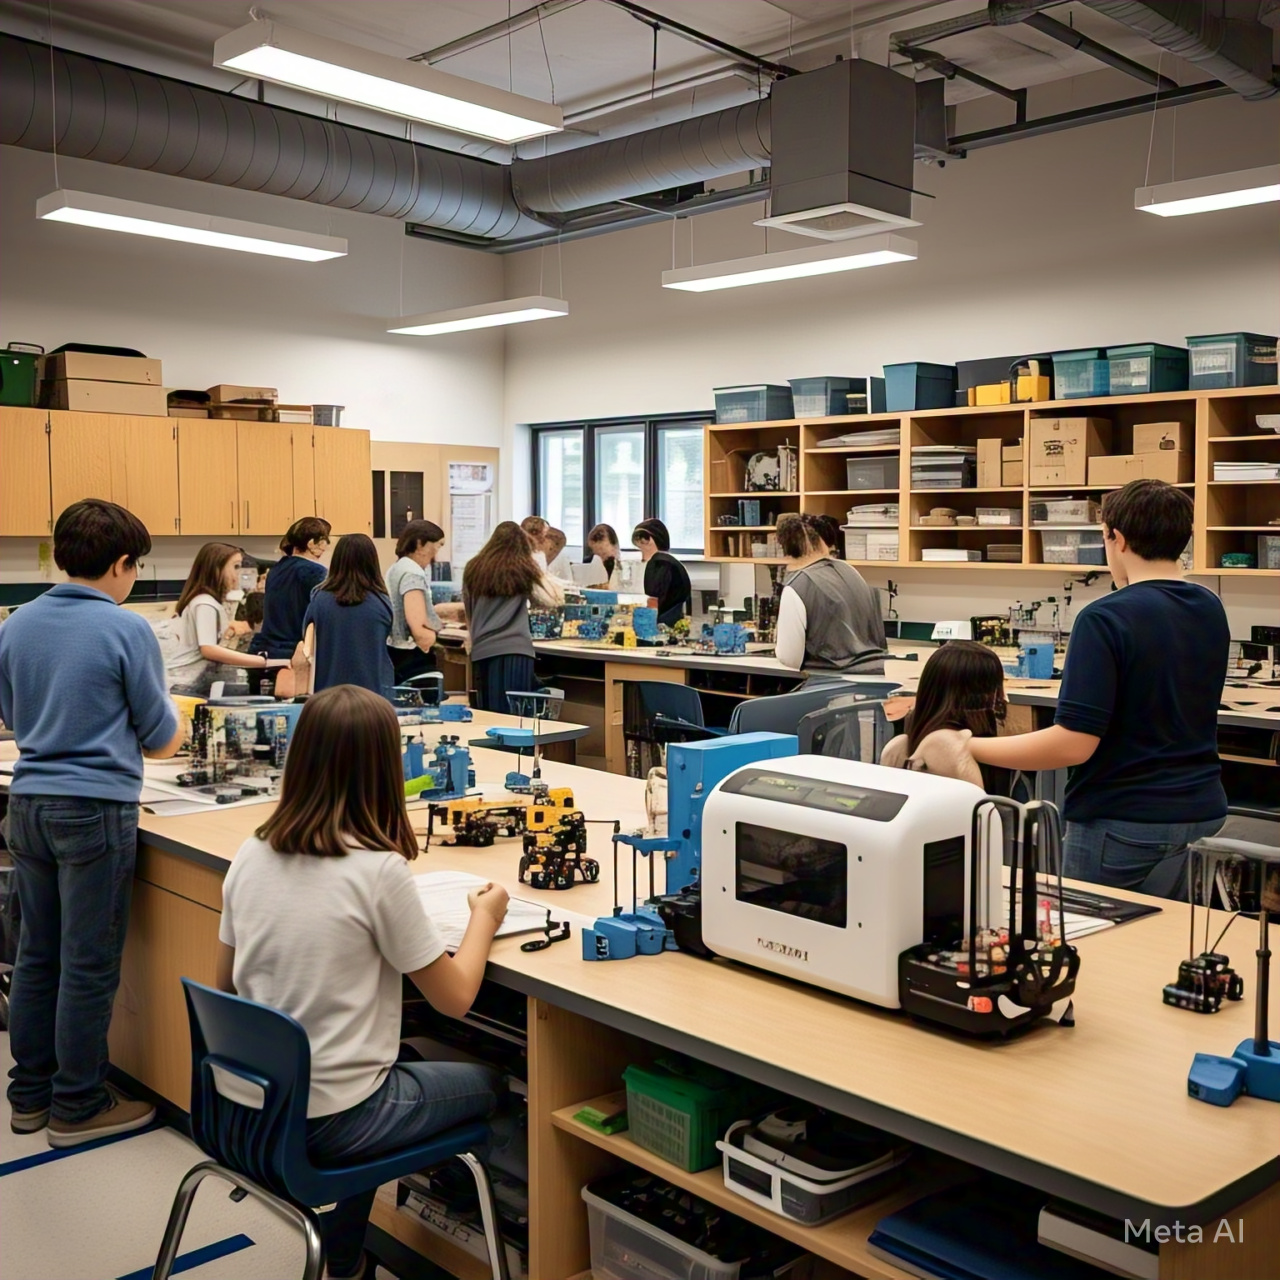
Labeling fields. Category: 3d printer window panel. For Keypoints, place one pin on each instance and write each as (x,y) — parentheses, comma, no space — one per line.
(944,875)
(796,875)
(810,793)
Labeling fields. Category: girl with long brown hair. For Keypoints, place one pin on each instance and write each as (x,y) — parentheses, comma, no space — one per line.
(320,918)
(498,584)
(203,624)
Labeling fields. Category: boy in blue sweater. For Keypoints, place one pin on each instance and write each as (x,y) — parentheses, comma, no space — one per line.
(82,687)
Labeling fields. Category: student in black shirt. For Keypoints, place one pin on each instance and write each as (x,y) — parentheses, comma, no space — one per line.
(666,582)
(1137,719)
(289,586)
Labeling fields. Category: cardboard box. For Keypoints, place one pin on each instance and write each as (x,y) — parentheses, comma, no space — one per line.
(242,412)
(1011,474)
(1171,465)
(1032,386)
(1151,437)
(108,397)
(1115,468)
(989,463)
(94,367)
(992,393)
(225,391)
(182,411)
(1011,452)
(1059,449)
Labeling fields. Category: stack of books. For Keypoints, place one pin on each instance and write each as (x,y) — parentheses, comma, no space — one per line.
(1246,470)
(943,466)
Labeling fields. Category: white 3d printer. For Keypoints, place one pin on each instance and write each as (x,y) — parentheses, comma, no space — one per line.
(827,870)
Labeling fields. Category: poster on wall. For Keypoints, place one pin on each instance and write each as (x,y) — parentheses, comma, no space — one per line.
(470,508)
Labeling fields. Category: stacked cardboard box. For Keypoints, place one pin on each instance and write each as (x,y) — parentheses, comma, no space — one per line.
(1160,452)
(102,383)
(1059,449)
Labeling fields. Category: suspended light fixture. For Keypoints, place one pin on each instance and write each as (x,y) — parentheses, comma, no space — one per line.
(851,255)
(1218,191)
(136,218)
(487,316)
(413,90)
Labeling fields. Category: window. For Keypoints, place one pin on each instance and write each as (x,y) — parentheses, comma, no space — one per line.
(618,472)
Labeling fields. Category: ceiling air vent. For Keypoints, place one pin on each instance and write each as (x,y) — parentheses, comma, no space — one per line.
(843,148)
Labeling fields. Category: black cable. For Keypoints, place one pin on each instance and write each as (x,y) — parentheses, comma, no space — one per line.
(1234,916)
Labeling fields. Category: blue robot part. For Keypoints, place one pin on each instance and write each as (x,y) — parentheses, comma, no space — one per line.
(644,621)
(627,934)
(729,638)
(448,776)
(1035,662)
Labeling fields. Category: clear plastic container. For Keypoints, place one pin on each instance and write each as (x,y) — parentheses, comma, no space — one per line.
(1011,517)
(327,415)
(764,402)
(1147,367)
(1078,375)
(1064,511)
(872,473)
(625,1248)
(1072,546)
(822,397)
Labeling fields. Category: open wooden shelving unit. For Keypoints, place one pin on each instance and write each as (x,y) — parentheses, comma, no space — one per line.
(1229,515)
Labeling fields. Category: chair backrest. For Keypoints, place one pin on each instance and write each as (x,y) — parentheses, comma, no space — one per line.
(268,1049)
(849,729)
(642,700)
(783,713)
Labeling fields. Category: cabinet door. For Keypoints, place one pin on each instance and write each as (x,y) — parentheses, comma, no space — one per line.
(25,507)
(207,491)
(266,477)
(144,464)
(344,492)
(79,457)
(304,473)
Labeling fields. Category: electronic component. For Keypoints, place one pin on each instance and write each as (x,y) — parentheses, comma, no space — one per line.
(553,856)
(448,774)
(1204,982)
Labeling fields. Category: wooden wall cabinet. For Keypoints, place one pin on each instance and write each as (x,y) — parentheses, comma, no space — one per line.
(344,495)
(144,470)
(207,478)
(265,472)
(79,457)
(26,509)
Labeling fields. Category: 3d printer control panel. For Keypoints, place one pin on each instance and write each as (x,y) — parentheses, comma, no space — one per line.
(814,793)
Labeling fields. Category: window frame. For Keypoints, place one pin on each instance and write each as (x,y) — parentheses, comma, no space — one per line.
(652,425)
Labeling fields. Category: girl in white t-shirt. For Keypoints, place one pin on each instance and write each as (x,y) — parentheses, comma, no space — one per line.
(320,918)
(204,624)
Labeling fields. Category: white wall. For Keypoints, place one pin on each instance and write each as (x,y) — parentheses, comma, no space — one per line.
(1031,244)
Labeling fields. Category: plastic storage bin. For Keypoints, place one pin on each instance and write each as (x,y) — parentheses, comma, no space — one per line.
(1072,546)
(870,544)
(1147,367)
(20,373)
(821,397)
(919,386)
(327,415)
(764,402)
(678,1112)
(1081,374)
(1064,511)
(872,473)
(1232,360)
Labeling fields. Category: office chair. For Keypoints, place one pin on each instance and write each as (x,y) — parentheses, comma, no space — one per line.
(655,713)
(263,1152)
(849,728)
(783,713)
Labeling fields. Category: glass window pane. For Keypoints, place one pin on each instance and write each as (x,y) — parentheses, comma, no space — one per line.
(620,478)
(680,485)
(560,491)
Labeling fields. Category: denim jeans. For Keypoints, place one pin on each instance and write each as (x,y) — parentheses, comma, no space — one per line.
(416,1100)
(73,862)
(1147,857)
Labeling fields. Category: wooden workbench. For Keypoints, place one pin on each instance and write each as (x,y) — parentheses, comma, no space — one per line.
(1096,1114)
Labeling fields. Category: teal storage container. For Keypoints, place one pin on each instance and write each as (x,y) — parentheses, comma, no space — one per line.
(1079,375)
(1146,367)
(919,386)
(20,374)
(764,402)
(1232,360)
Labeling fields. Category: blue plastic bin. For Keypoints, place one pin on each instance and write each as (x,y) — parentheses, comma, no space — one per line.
(820,397)
(919,386)
(1080,375)
(1146,367)
(763,402)
(1232,360)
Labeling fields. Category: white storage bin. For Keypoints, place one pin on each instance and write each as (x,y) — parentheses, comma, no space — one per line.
(1010,517)
(1064,511)
(1073,546)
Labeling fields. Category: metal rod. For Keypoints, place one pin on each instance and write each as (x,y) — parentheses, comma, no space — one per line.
(949,69)
(975,21)
(1064,34)
(494,31)
(1261,1036)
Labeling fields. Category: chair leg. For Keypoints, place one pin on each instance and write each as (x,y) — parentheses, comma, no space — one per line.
(489,1217)
(303,1219)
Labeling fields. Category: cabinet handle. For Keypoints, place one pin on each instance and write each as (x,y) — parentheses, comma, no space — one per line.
(233,513)
(246,513)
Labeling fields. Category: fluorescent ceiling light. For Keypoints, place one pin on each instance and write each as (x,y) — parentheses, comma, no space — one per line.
(791,264)
(414,90)
(486,316)
(156,220)
(1219,191)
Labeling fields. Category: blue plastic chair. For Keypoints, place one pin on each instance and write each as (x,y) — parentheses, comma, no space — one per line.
(263,1152)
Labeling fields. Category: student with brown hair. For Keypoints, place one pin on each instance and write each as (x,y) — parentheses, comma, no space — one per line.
(498,585)
(290,583)
(348,623)
(414,625)
(336,851)
(602,546)
(201,611)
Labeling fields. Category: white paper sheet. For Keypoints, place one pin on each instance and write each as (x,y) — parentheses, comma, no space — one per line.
(444,899)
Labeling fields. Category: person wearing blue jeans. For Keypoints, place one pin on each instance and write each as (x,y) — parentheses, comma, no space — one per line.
(1137,717)
(82,687)
(320,918)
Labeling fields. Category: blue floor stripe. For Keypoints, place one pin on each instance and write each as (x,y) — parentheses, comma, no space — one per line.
(60,1153)
(198,1257)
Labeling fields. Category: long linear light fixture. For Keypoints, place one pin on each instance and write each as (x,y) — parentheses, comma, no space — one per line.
(486,316)
(136,218)
(871,251)
(1218,191)
(413,90)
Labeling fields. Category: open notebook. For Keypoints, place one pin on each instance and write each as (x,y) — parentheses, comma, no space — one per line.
(444,899)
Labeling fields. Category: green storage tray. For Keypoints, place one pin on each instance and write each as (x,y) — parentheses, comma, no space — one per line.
(20,374)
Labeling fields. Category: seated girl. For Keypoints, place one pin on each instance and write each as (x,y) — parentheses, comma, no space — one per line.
(320,918)
(204,626)
(961,687)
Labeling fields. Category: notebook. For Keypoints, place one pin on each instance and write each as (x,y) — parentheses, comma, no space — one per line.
(444,899)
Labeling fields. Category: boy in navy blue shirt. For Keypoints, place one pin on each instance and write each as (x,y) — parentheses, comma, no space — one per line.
(1137,718)
(82,687)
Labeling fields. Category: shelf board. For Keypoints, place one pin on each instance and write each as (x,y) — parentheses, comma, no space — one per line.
(1237,483)
(1243,528)
(1238,573)
(1266,435)
(946,491)
(842,1241)
(742,528)
(969,528)
(836,450)
(1093,488)
(760,493)
(747,559)
(967,564)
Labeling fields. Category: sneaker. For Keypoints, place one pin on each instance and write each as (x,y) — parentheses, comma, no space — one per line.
(28,1121)
(120,1115)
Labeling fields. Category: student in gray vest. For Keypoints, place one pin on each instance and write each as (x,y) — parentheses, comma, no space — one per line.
(829,621)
